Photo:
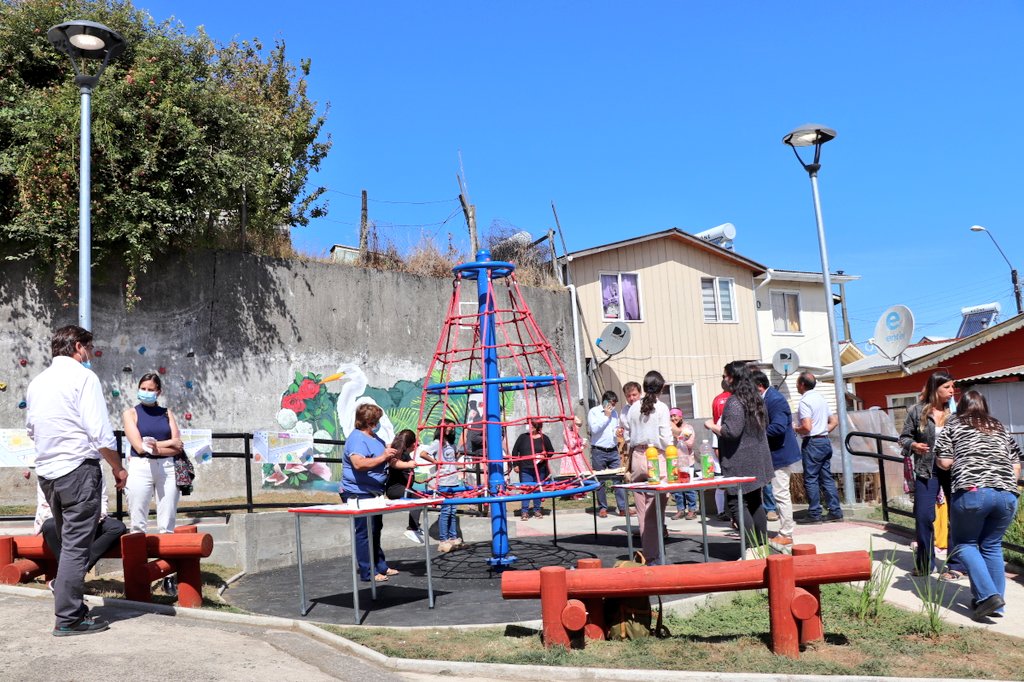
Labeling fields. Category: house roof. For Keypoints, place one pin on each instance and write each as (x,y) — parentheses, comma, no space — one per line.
(958,346)
(777,275)
(679,235)
(1015,371)
(879,364)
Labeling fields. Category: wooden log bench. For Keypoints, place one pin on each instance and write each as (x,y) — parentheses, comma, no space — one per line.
(23,557)
(572,602)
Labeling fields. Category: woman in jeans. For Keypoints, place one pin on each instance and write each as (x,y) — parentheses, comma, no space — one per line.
(985,461)
(924,422)
(530,455)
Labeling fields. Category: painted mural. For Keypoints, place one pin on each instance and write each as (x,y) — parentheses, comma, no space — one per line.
(324,404)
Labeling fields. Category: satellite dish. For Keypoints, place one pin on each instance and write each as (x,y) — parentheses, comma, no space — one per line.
(894,330)
(614,338)
(785,361)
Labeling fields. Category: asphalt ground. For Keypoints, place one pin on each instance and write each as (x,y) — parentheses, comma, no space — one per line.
(467,589)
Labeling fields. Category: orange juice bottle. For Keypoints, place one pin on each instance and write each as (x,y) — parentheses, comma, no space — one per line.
(653,468)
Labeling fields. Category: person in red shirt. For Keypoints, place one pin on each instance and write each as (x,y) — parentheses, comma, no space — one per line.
(717,407)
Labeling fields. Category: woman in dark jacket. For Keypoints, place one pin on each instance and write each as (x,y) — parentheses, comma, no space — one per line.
(743,447)
(924,422)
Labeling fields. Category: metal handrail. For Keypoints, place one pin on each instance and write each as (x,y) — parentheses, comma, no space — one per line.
(882,458)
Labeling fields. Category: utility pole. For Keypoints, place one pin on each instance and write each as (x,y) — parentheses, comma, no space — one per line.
(842,306)
(469,210)
(364,233)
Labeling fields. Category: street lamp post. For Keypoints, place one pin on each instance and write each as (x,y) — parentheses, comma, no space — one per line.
(815,136)
(82,40)
(1013,270)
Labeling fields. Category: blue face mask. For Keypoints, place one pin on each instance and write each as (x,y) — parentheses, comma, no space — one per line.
(376,428)
(147,397)
(87,364)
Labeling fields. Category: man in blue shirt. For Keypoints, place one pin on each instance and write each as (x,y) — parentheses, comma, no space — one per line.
(603,419)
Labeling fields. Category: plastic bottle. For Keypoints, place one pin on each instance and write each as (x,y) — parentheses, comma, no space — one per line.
(653,472)
(707,465)
(671,463)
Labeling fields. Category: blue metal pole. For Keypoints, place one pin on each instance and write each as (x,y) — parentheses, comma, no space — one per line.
(85,215)
(492,408)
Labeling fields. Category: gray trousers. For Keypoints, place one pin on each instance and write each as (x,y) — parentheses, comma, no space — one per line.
(74,499)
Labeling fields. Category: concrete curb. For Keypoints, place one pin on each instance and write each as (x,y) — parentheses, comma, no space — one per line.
(472,669)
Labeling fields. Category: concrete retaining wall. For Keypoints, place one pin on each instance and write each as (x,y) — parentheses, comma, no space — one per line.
(230,331)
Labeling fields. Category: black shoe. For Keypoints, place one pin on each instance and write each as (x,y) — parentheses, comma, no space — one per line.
(86,626)
(833,519)
(170,585)
(986,607)
(810,521)
(994,614)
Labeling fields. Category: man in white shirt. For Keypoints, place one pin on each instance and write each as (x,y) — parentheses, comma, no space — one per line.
(603,420)
(815,422)
(67,419)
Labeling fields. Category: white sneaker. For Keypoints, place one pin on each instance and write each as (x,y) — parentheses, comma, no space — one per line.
(444,547)
(413,536)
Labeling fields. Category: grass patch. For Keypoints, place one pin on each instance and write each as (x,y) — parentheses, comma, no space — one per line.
(733,637)
(111,585)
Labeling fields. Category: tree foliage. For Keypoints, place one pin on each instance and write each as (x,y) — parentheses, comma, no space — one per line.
(186,133)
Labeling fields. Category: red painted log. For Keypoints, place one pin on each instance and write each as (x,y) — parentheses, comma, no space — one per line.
(553,600)
(187,529)
(811,629)
(174,545)
(190,583)
(134,559)
(804,606)
(32,547)
(19,571)
(574,615)
(157,569)
(641,581)
(781,584)
(6,550)
(595,626)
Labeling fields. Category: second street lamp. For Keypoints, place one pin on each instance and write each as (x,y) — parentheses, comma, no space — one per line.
(814,136)
(80,41)
(1013,270)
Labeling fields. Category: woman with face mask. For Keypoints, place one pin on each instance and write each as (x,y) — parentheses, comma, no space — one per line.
(153,434)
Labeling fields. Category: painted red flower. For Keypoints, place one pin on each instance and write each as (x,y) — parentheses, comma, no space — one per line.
(294,403)
(308,389)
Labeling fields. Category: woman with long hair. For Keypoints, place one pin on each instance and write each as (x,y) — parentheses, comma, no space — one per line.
(400,479)
(985,464)
(648,425)
(743,448)
(925,421)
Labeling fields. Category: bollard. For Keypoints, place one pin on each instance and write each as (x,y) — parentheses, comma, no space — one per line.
(781,585)
(553,600)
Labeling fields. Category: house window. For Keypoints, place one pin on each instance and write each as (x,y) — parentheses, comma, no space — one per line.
(717,296)
(786,312)
(620,296)
(897,406)
(681,396)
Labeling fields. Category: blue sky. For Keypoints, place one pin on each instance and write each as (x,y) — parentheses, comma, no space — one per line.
(636,117)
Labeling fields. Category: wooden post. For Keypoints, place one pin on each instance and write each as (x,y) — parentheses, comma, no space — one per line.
(469,210)
(364,233)
(6,550)
(190,583)
(553,600)
(134,559)
(594,629)
(781,585)
(811,629)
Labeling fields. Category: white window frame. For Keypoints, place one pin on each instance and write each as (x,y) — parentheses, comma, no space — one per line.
(799,311)
(891,405)
(718,300)
(670,391)
(622,309)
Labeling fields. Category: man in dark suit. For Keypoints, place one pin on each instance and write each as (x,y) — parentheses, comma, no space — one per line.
(782,441)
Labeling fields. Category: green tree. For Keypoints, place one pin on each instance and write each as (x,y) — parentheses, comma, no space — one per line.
(185,134)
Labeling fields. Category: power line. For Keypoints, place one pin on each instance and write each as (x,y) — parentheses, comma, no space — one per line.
(388,201)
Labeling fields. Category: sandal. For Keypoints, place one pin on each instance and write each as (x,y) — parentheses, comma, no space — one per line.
(380,578)
(951,576)
(392,571)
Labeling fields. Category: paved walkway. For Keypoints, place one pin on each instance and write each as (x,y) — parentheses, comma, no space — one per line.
(241,648)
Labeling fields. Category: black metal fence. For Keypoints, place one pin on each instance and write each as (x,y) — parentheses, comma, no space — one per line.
(882,458)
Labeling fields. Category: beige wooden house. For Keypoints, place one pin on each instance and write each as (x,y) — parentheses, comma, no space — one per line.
(689,306)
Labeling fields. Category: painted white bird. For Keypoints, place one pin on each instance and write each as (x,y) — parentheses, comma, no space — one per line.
(349,382)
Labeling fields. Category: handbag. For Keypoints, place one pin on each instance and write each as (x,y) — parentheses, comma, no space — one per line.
(184,473)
